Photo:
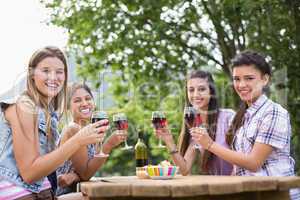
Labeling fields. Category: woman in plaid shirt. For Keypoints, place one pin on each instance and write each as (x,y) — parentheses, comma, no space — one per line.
(260,133)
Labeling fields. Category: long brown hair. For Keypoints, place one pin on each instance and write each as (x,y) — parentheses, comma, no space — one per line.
(248,57)
(58,103)
(213,112)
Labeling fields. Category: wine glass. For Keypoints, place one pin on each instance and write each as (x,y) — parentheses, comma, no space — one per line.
(159,120)
(121,124)
(192,119)
(97,116)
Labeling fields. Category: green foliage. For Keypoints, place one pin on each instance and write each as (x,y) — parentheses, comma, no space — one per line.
(150,45)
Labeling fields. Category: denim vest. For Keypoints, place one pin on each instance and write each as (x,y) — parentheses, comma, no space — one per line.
(8,166)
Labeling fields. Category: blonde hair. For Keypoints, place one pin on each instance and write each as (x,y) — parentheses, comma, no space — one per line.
(58,103)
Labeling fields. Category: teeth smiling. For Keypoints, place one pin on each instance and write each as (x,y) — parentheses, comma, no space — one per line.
(85,111)
(198,100)
(52,85)
(244,92)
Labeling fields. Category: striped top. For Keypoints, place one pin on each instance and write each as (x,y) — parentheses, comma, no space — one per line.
(10,191)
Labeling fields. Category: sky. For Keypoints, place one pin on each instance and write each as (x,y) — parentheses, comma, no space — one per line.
(23,30)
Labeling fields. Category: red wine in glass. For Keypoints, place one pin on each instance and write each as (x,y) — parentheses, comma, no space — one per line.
(192,117)
(198,120)
(121,123)
(97,116)
(189,116)
(159,120)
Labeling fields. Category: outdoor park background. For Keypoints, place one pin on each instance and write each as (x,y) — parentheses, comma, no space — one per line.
(136,54)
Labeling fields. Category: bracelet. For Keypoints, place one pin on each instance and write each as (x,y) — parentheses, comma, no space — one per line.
(210,144)
(174,150)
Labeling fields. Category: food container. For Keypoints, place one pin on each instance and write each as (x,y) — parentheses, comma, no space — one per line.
(161,172)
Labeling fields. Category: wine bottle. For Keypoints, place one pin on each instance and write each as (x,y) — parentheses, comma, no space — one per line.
(141,156)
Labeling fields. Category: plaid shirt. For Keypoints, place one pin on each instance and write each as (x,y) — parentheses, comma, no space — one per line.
(268,123)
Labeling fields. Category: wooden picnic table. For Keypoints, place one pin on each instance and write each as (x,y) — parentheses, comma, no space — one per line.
(190,187)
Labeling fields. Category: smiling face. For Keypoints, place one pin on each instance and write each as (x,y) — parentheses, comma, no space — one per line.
(198,93)
(49,76)
(249,82)
(82,105)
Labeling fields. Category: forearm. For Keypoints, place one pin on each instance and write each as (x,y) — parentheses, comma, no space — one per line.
(246,161)
(91,168)
(181,163)
(107,147)
(179,160)
(94,164)
(184,163)
(44,165)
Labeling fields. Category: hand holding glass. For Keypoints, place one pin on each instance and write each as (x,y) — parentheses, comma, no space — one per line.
(192,119)
(121,124)
(97,116)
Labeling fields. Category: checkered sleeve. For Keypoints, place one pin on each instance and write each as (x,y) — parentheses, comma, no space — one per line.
(274,128)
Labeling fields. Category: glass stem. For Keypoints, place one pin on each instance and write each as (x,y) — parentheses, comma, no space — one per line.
(160,145)
(159,142)
(126,145)
(100,147)
(97,147)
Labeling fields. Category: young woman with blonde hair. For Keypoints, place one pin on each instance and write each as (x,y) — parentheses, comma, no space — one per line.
(28,125)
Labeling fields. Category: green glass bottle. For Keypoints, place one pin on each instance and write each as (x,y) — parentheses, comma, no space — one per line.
(141,155)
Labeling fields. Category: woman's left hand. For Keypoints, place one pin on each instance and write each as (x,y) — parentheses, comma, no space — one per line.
(115,139)
(67,179)
(200,136)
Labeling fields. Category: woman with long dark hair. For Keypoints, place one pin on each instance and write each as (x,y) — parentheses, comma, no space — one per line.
(201,95)
(260,134)
(82,165)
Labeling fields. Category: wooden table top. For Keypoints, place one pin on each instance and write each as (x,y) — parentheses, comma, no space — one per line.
(184,186)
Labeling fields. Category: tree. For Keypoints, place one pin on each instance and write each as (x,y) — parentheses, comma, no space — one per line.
(151,46)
